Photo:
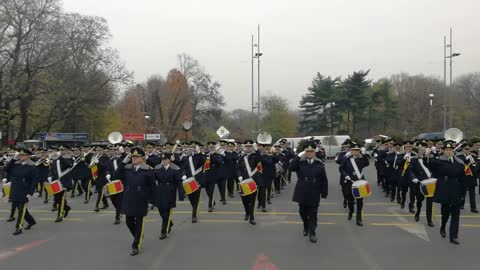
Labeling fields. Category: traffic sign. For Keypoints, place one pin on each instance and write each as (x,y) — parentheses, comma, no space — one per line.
(134,137)
(153,137)
(222,132)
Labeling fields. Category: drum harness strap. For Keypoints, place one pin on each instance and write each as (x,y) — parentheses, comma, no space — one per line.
(249,169)
(425,169)
(355,168)
(192,168)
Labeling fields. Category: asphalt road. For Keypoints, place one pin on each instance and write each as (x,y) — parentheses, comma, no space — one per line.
(390,239)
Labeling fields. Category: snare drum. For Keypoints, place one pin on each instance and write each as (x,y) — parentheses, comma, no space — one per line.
(113,187)
(6,189)
(427,187)
(53,187)
(361,189)
(190,185)
(247,187)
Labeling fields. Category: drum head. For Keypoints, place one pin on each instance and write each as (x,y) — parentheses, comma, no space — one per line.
(428,181)
(359,183)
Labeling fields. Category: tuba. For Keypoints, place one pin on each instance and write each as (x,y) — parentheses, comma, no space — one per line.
(115,137)
(264,138)
(454,134)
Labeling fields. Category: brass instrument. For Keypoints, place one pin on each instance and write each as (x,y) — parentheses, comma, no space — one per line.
(115,137)
(264,138)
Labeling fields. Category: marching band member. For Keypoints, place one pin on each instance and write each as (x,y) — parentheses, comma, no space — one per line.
(43,168)
(229,162)
(85,174)
(319,151)
(193,164)
(22,174)
(339,159)
(139,185)
(247,168)
(312,184)
(379,154)
(417,172)
(75,174)
(61,171)
(351,167)
(105,167)
(117,198)
(404,182)
(168,177)
(177,159)
(280,161)
(449,170)
(394,158)
(151,155)
(212,174)
(268,173)
(289,155)
(470,178)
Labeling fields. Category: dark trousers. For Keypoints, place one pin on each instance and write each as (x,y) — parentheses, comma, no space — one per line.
(262,196)
(221,184)
(40,188)
(277,183)
(230,186)
(77,187)
(181,193)
(86,186)
(194,199)
(249,204)
(210,189)
(167,222)
(395,189)
(404,189)
(101,197)
(23,214)
(454,212)
(387,185)
(309,217)
(269,192)
(117,203)
(429,206)
(351,203)
(471,196)
(135,225)
(61,203)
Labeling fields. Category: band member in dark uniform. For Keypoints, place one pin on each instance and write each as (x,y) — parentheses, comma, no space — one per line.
(449,170)
(338,159)
(279,160)
(138,191)
(75,174)
(117,164)
(193,164)
(268,173)
(247,167)
(470,178)
(152,157)
(380,164)
(418,171)
(351,167)
(229,164)
(61,171)
(312,184)
(22,174)
(43,169)
(395,161)
(404,182)
(177,159)
(168,177)
(85,173)
(213,174)
(105,166)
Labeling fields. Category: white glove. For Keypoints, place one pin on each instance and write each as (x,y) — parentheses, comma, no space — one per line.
(49,179)
(348,178)
(121,149)
(427,151)
(108,177)
(15,157)
(184,177)
(301,154)
(415,180)
(28,196)
(240,178)
(434,149)
(363,150)
(406,156)
(348,154)
(4,180)
(469,157)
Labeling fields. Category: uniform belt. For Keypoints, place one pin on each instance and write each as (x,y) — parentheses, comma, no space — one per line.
(310,180)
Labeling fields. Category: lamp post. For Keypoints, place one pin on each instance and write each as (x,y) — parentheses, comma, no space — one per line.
(445,57)
(256,55)
(431,96)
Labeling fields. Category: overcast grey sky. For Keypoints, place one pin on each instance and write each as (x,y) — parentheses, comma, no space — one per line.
(298,38)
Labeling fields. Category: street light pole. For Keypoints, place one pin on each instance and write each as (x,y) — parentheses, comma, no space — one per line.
(253,58)
(258,78)
(451,94)
(444,83)
(430,112)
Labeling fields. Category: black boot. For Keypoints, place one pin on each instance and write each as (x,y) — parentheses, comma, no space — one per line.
(442,231)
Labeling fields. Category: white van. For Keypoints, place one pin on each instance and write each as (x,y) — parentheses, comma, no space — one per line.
(332,144)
